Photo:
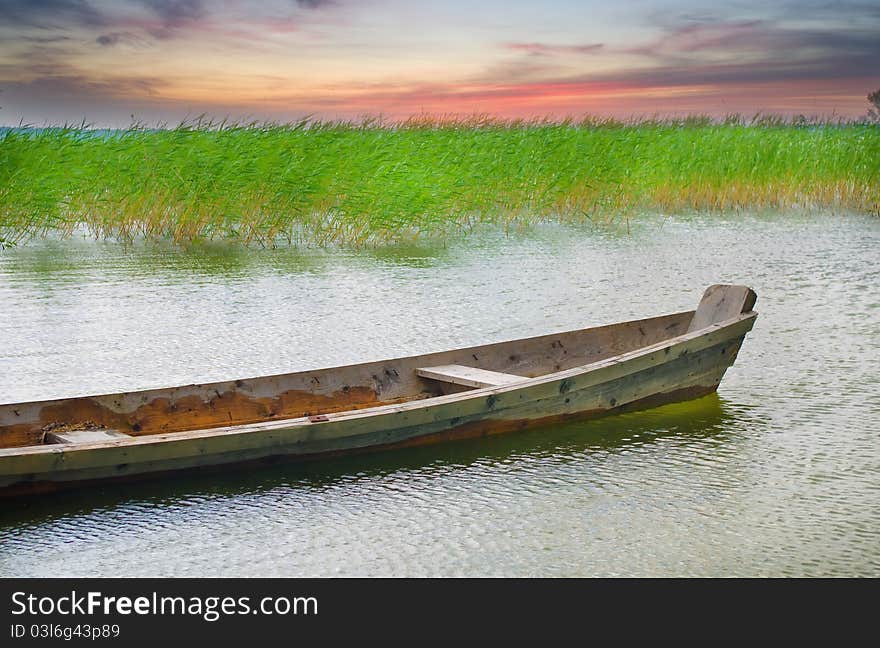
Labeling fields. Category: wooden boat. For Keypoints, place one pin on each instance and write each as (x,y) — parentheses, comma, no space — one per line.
(477,391)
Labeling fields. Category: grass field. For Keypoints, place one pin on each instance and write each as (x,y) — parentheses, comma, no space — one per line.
(314,183)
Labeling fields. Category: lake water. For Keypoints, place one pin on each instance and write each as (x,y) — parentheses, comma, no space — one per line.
(779,474)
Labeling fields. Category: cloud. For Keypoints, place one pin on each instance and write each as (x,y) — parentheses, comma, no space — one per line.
(173,16)
(57,81)
(44,40)
(519,70)
(114,38)
(175,13)
(729,65)
(108,39)
(846,11)
(733,52)
(543,49)
(314,4)
(71,97)
(138,22)
(48,14)
(694,57)
(737,37)
(708,50)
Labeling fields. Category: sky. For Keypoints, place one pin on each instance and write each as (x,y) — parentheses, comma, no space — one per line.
(162,61)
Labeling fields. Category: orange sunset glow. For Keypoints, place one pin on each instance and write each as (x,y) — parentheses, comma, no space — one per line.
(63,61)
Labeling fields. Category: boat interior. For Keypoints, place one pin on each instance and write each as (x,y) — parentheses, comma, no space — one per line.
(323,391)
(319,392)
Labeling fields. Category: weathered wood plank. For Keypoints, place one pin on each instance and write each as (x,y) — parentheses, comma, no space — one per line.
(722,302)
(85,436)
(468,376)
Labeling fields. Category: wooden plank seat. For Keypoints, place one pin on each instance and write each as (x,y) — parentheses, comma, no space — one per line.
(468,376)
(85,436)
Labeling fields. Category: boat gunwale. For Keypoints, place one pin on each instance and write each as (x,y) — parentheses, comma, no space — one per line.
(392,408)
(356,365)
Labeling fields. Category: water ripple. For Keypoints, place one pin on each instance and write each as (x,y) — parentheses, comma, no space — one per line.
(775,476)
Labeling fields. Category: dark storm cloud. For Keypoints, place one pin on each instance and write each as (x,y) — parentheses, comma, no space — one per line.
(49,14)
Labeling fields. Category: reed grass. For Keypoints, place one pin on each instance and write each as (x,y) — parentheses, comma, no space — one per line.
(314,182)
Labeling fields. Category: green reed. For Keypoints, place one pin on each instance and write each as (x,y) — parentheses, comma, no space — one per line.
(314,182)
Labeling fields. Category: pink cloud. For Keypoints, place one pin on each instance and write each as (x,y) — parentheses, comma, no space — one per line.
(543,49)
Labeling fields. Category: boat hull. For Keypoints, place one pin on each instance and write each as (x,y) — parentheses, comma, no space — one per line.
(684,367)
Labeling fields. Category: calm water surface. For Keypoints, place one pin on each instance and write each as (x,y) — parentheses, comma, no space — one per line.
(779,474)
